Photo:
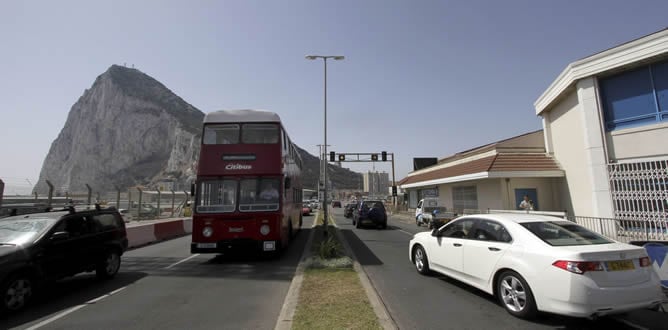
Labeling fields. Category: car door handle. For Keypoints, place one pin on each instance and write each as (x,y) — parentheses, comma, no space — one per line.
(493,249)
(456,244)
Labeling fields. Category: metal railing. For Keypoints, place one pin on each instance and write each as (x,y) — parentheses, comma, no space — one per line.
(136,203)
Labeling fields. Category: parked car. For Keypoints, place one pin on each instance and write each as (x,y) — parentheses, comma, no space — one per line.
(336,203)
(535,263)
(38,248)
(370,212)
(432,213)
(348,210)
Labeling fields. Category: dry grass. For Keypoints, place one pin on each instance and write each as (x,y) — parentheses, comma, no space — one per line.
(333,299)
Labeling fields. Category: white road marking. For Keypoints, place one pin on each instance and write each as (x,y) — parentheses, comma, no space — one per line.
(92,301)
(184,260)
(73,309)
(631,324)
(403,231)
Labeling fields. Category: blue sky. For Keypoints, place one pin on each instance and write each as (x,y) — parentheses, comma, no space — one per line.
(420,78)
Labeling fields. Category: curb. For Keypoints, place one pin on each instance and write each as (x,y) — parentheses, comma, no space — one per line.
(284,321)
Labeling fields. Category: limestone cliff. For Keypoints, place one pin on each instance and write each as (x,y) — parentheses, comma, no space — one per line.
(127,129)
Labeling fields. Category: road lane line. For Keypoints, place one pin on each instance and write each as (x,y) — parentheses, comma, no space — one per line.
(630,324)
(403,231)
(105,296)
(184,260)
(45,322)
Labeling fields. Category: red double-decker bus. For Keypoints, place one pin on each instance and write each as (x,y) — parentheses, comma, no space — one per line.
(248,188)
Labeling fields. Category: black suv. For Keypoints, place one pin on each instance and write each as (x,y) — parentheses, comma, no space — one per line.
(370,211)
(39,248)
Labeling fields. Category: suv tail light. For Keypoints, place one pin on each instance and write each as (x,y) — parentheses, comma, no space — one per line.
(579,267)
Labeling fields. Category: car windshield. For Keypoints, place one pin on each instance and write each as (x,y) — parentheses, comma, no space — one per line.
(564,233)
(19,230)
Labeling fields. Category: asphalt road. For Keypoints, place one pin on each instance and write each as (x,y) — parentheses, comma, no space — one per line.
(163,286)
(438,302)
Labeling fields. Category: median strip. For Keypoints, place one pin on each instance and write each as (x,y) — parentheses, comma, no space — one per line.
(332,294)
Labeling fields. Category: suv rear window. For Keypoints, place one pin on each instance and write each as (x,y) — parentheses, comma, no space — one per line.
(564,233)
(106,222)
(374,204)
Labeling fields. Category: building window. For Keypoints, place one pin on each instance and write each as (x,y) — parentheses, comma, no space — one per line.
(637,97)
(464,198)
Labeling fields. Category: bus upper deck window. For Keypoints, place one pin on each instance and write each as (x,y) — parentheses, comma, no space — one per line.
(260,133)
(221,134)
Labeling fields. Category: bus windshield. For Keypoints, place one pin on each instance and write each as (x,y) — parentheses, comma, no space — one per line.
(217,196)
(259,133)
(259,195)
(221,134)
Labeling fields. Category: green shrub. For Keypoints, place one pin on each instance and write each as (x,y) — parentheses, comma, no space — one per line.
(330,248)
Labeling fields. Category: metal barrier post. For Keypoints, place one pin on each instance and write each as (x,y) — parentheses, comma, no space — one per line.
(139,205)
(173,199)
(90,195)
(159,210)
(118,198)
(48,203)
(2,190)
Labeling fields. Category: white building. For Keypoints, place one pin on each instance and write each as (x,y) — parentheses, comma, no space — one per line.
(605,119)
(494,176)
(602,153)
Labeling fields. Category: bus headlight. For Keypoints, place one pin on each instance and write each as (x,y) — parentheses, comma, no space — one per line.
(207,231)
(265,229)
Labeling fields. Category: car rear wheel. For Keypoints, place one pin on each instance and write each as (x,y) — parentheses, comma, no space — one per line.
(109,267)
(515,295)
(421,261)
(16,292)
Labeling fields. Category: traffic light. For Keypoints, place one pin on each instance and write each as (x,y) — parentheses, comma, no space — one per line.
(374,157)
(383,156)
(394,190)
(342,157)
(332,156)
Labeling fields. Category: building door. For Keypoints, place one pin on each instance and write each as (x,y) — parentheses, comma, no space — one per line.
(533,196)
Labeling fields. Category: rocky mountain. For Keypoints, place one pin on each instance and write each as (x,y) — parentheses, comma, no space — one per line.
(340,178)
(128,129)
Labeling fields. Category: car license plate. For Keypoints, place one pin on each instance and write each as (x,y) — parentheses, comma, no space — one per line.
(620,265)
(206,245)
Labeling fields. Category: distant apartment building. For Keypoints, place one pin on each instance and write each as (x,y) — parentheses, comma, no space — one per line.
(376,183)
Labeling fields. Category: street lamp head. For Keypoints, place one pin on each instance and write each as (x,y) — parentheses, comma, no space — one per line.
(311,57)
(339,58)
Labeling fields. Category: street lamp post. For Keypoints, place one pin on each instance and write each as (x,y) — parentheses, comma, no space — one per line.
(324,58)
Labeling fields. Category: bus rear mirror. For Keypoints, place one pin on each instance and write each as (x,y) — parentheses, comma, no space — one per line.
(192,189)
(287,183)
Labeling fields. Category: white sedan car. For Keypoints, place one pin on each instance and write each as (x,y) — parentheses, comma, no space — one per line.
(540,263)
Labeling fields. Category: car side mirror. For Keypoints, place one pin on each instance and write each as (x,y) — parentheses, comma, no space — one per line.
(60,236)
(435,233)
